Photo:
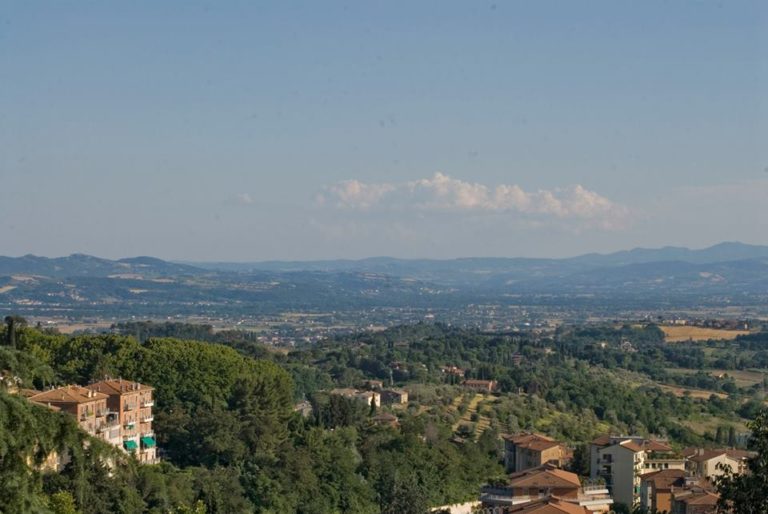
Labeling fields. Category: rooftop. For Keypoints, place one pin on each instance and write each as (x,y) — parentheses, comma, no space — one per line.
(67,395)
(544,477)
(118,386)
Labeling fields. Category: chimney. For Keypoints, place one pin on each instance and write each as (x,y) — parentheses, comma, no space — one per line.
(700,451)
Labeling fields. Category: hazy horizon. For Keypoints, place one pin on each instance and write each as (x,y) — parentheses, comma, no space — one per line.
(193,262)
(238,132)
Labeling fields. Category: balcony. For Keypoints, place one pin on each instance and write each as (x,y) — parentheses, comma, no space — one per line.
(130,425)
(148,403)
(147,419)
(502,496)
(105,427)
(127,407)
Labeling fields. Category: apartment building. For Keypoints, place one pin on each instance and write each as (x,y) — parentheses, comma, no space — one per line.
(90,409)
(528,450)
(133,401)
(622,460)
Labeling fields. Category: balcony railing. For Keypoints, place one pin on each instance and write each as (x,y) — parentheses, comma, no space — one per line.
(148,403)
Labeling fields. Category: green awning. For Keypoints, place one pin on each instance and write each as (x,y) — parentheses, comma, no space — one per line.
(130,445)
(148,442)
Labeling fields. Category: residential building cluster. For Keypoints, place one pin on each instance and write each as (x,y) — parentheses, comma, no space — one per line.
(117,411)
(629,470)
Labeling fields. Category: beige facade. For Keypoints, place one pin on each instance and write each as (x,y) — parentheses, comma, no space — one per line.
(394,396)
(621,460)
(707,463)
(526,450)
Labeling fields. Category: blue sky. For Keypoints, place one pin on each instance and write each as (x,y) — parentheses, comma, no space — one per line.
(301,130)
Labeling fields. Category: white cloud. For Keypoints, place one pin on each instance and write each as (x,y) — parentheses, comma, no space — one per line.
(244,199)
(441,193)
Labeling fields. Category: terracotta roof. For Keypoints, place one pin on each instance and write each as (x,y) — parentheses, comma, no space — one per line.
(665,479)
(656,446)
(706,455)
(697,497)
(702,455)
(603,440)
(544,477)
(68,394)
(118,386)
(547,506)
(740,454)
(535,442)
(631,445)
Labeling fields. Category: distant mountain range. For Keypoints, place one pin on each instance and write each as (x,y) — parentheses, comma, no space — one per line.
(724,274)
(81,265)
(499,271)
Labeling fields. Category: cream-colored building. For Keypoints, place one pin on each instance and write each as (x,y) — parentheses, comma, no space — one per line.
(706,463)
(527,450)
(621,460)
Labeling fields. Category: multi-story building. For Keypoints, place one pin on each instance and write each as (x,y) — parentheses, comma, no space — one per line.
(656,489)
(545,482)
(703,463)
(527,450)
(89,408)
(622,460)
(133,401)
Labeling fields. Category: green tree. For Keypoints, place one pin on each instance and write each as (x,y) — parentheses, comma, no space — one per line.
(63,503)
(748,493)
(12,324)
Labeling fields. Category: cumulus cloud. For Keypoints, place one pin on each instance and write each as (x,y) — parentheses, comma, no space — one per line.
(442,193)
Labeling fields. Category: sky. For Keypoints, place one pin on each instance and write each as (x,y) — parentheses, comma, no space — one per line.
(246,131)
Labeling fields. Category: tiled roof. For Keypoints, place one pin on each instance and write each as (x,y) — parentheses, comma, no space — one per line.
(548,506)
(544,477)
(68,394)
(665,478)
(118,386)
(535,442)
(631,445)
(603,440)
(697,497)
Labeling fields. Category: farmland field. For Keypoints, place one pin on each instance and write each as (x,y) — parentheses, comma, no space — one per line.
(743,377)
(676,334)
